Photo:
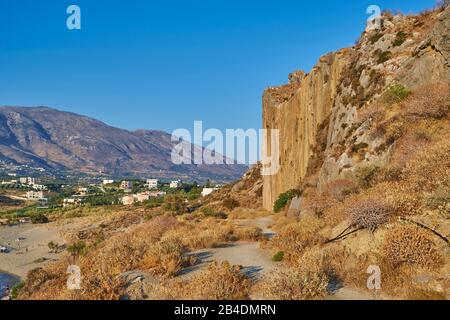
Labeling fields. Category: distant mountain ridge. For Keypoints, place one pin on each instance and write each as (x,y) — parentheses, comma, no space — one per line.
(57,140)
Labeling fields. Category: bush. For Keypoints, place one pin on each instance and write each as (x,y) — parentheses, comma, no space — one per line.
(399,39)
(369,213)
(165,258)
(155,202)
(15,290)
(294,238)
(365,174)
(38,218)
(384,56)
(230,203)
(284,198)
(440,198)
(377,36)
(249,233)
(396,93)
(278,257)
(431,101)
(175,203)
(78,248)
(411,245)
(293,284)
(218,282)
(208,212)
(318,203)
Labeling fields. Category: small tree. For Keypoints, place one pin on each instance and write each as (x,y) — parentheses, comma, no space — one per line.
(53,246)
(284,198)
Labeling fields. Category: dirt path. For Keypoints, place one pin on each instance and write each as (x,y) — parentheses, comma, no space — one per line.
(255,261)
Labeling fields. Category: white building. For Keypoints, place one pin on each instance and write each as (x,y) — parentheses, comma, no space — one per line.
(156,194)
(175,184)
(208,191)
(152,183)
(132,198)
(126,185)
(35,195)
(31,180)
(39,187)
(82,191)
(23,180)
(106,181)
(71,202)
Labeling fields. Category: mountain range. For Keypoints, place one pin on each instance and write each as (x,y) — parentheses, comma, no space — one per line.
(64,141)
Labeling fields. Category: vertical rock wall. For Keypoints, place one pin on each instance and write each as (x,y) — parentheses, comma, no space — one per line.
(297,110)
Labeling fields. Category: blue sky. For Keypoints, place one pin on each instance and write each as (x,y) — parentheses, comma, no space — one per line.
(163,64)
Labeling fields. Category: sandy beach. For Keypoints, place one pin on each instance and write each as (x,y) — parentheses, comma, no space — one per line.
(28,246)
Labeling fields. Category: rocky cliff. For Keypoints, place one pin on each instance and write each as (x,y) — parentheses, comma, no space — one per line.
(408,51)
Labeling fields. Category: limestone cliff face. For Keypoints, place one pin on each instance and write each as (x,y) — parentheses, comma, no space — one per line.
(296,110)
(408,50)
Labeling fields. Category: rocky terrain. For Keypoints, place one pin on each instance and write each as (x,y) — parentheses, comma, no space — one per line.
(411,51)
(363,190)
(55,140)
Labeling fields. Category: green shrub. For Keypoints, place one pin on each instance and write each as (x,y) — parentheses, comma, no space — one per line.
(15,290)
(284,198)
(374,39)
(384,56)
(365,174)
(78,248)
(175,203)
(278,257)
(439,198)
(399,39)
(230,203)
(155,202)
(396,93)
(38,218)
(208,212)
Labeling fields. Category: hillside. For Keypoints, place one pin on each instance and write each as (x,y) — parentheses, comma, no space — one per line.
(363,190)
(55,140)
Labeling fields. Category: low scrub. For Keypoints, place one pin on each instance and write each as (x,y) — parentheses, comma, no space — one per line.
(431,101)
(396,93)
(369,213)
(293,284)
(218,282)
(410,245)
(365,174)
(439,199)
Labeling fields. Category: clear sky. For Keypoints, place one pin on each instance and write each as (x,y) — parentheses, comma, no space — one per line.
(163,64)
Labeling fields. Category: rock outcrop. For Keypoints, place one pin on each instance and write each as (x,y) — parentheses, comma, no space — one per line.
(409,50)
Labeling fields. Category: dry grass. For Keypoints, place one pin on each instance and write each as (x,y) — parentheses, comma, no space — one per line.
(217,282)
(292,284)
(318,203)
(410,245)
(431,101)
(102,266)
(248,233)
(430,169)
(295,237)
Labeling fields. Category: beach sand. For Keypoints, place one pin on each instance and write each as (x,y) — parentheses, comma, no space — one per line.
(32,251)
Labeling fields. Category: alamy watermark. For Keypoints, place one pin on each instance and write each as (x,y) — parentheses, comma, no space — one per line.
(74,279)
(73,22)
(233,146)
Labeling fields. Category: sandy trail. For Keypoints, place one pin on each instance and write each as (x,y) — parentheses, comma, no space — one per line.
(31,251)
(254,261)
